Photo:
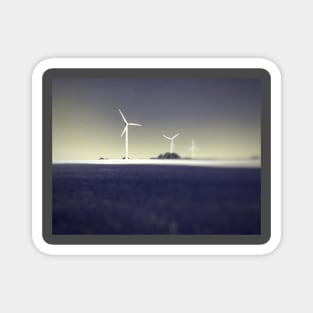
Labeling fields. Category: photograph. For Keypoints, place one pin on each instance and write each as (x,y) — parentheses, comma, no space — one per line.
(156,155)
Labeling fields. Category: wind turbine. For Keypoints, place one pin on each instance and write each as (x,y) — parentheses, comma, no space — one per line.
(193,148)
(172,142)
(125,131)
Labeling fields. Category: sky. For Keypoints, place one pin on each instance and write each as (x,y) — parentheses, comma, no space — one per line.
(222,115)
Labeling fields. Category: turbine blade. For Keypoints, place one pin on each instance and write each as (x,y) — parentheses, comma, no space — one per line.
(124,130)
(167,137)
(175,136)
(123,116)
(133,124)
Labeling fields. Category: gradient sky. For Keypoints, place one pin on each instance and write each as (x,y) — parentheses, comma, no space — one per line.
(223,116)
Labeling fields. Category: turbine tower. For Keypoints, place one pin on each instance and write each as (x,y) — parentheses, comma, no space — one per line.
(125,131)
(172,142)
(193,148)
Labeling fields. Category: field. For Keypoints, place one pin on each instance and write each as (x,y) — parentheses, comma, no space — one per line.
(155,199)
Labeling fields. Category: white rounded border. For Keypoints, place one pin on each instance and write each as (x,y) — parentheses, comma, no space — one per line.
(261,63)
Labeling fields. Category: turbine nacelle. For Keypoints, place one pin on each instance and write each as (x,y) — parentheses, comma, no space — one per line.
(126,127)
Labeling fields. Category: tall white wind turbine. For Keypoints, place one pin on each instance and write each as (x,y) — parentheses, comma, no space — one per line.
(171,139)
(125,131)
(193,148)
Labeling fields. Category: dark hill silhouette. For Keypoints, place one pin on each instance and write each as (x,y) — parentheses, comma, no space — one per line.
(169,155)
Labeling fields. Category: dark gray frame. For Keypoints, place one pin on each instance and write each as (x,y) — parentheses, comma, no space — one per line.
(261,74)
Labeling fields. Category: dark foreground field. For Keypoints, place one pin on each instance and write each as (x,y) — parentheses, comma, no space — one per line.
(155,199)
